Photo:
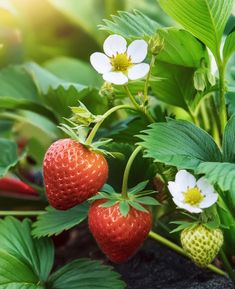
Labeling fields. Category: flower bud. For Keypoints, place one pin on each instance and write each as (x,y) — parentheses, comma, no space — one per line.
(156,44)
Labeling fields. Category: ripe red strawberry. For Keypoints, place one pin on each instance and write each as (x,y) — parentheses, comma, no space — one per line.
(119,237)
(72,173)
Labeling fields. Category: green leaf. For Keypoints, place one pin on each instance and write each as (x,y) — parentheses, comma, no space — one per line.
(131,25)
(15,103)
(86,274)
(179,143)
(227,219)
(205,19)
(229,46)
(178,47)
(229,141)
(16,239)
(124,208)
(16,83)
(8,156)
(74,70)
(14,274)
(55,221)
(176,65)
(148,201)
(57,93)
(176,85)
(222,174)
(17,91)
(138,188)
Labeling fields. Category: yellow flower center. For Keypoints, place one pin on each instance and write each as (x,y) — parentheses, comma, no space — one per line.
(193,196)
(121,62)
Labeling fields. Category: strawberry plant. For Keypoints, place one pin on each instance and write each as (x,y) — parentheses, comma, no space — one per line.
(132,136)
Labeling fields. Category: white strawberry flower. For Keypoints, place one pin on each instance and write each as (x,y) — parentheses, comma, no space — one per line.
(190,194)
(119,63)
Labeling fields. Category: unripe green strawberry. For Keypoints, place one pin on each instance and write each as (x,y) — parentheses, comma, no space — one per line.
(201,244)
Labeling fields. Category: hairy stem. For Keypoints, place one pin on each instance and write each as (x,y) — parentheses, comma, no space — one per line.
(179,250)
(152,62)
(98,124)
(141,109)
(127,172)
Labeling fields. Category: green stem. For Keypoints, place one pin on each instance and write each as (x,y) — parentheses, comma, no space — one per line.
(132,99)
(127,172)
(194,118)
(227,265)
(21,213)
(137,106)
(152,62)
(179,250)
(98,124)
(222,106)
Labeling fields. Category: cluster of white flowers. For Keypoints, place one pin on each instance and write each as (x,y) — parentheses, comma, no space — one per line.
(190,194)
(119,63)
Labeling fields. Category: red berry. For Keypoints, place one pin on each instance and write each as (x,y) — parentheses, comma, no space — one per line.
(72,173)
(118,237)
(15,187)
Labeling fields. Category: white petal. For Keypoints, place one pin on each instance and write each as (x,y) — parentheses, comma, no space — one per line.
(137,50)
(175,191)
(185,180)
(100,62)
(205,187)
(178,203)
(209,200)
(192,209)
(115,77)
(187,207)
(138,71)
(114,44)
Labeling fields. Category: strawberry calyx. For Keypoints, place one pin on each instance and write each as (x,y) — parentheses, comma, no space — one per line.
(208,218)
(136,198)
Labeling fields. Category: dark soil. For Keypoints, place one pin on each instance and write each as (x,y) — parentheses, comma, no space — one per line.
(153,267)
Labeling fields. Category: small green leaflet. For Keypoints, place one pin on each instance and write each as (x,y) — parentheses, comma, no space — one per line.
(55,221)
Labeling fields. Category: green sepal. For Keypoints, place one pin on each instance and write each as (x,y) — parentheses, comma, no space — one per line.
(108,189)
(124,207)
(136,200)
(109,203)
(183,225)
(138,206)
(138,188)
(148,201)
